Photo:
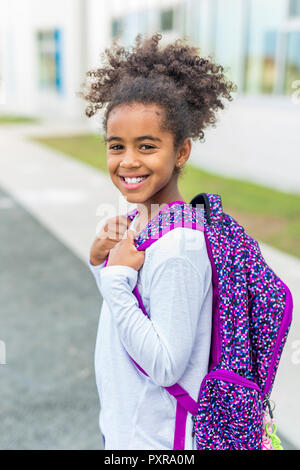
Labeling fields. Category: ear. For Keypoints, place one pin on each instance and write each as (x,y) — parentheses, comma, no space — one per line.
(185,149)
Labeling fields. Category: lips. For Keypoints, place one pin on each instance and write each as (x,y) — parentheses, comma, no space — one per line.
(133,185)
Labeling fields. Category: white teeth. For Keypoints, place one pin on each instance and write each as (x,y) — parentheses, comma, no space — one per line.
(134,180)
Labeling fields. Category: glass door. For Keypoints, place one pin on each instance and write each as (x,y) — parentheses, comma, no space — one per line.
(288,51)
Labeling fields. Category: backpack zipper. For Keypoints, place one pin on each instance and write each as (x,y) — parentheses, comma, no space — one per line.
(230,376)
(227,376)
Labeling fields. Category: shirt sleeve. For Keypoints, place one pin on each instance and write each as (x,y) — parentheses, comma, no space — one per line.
(161,345)
(96,271)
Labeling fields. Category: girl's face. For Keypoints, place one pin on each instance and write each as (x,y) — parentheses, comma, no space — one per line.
(137,146)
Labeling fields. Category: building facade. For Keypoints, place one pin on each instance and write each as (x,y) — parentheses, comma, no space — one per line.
(46,47)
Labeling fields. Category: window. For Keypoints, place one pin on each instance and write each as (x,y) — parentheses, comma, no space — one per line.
(50,60)
(167,20)
(264,20)
(292,66)
(268,61)
(116,27)
(294,9)
(227,35)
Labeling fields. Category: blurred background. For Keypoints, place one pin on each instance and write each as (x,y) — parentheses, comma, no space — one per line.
(55,188)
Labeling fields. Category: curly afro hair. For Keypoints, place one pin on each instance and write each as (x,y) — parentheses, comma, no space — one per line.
(186,86)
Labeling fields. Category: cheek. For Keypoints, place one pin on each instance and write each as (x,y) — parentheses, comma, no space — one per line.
(111,164)
(164,168)
(161,163)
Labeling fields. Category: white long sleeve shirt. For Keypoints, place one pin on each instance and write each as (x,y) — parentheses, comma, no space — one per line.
(172,346)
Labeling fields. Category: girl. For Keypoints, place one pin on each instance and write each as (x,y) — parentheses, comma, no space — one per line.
(158,99)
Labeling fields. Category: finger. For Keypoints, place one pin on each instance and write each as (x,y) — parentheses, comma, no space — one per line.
(124,236)
(111,244)
(129,236)
(131,233)
(113,227)
(124,224)
(129,221)
(118,225)
(111,235)
(124,221)
(115,232)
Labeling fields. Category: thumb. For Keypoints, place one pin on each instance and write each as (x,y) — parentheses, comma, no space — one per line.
(131,234)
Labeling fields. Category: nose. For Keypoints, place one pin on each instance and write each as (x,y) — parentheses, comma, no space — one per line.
(129,160)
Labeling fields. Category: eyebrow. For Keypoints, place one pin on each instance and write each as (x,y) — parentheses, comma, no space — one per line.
(137,139)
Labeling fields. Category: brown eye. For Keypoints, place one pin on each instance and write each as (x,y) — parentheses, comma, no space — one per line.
(149,146)
(113,147)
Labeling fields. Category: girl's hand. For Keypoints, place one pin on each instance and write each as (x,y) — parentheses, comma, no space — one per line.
(126,254)
(111,233)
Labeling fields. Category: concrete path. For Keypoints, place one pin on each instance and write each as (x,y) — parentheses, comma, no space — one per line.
(49,398)
(63,195)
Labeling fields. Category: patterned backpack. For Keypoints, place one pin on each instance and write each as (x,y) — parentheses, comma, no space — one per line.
(251,317)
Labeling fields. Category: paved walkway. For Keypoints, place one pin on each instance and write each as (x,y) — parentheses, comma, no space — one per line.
(62,196)
(48,392)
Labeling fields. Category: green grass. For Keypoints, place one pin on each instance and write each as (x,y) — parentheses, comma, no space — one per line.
(9,119)
(268,215)
(89,148)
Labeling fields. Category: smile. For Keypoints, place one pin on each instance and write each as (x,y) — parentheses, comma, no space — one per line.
(133,185)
